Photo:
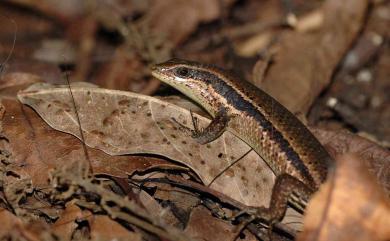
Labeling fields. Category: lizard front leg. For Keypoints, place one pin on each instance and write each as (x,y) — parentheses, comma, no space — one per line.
(214,130)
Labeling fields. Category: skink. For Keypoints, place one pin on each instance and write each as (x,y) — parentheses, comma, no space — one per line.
(298,160)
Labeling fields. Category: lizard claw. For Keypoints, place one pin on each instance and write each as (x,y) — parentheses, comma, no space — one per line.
(195,134)
(181,126)
(257,213)
(251,211)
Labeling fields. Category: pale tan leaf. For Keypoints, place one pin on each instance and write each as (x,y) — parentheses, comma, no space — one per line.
(120,123)
(35,149)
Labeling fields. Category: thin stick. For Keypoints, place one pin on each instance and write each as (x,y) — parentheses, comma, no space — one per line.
(2,65)
(232,164)
(79,123)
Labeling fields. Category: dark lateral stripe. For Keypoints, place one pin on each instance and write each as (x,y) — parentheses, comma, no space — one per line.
(238,102)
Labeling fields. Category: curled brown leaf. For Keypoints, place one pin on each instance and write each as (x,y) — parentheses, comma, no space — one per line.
(350,206)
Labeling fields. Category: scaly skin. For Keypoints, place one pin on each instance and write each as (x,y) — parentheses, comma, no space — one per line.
(289,148)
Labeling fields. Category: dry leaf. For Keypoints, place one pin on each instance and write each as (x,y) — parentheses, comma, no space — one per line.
(139,113)
(375,158)
(310,21)
(104,228)
(36,149)
(13,82)
(125,123)
(305,62)
(212,230)
(72,8)
(66,224)
(8,222)
(350,206)
(166,17)
(13,228)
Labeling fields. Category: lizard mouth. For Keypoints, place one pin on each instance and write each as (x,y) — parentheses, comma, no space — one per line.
(158,72)
(165,73)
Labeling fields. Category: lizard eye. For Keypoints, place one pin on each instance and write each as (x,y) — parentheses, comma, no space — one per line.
(183,72)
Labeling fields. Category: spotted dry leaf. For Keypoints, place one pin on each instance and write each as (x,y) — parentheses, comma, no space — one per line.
(121,123)
(34,149)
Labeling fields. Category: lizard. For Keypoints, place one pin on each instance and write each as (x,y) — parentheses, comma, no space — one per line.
(298,160)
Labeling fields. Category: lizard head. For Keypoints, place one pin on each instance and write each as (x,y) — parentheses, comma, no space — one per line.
(190,78)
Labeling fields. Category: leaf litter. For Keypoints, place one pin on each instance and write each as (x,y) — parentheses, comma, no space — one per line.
(115,129)
(46,192)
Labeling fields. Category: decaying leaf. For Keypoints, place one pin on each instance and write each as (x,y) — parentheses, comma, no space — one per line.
(48,193)
(120,123)
(13,228)
(206,230)
(101,227)
(11,83)
(375,158)
(350,206)
(121,116)
(35,148)
(9,221)
(89,193)
(294,80)
(66,225)
(164,15)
